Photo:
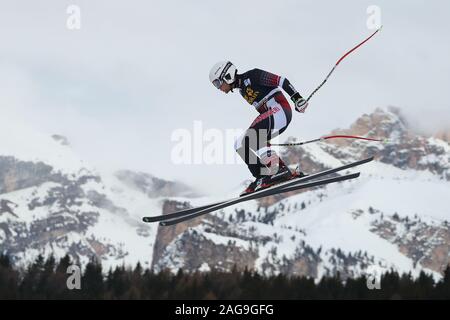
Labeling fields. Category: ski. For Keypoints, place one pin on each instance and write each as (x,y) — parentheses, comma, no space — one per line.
(254,195)
(269,192)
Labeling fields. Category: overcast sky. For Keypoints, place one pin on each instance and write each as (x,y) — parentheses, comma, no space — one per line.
(138,70)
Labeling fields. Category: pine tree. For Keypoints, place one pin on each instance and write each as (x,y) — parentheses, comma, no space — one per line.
(45,282)
(396,217)
(63,264)
(5,262)
(425,286)
(9,279)
(443,286)
(389,283)
(28,287)
(92,280)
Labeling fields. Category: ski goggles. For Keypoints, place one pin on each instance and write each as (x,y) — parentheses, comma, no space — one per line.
(217,83)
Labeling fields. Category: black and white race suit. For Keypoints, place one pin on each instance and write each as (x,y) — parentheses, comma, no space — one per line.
(262,90)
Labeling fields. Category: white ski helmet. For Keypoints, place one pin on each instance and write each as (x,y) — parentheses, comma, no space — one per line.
(223,71)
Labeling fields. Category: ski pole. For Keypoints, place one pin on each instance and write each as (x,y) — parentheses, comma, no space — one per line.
(326,138)
(340,59)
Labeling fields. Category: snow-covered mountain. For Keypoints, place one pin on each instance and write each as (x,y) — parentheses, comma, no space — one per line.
(394,216)
(52,202)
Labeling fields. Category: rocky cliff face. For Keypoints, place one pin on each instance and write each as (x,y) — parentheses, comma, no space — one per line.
(427,243)
(443,135)
(16,174)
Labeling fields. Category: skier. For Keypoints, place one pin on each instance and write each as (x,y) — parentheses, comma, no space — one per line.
(261,89)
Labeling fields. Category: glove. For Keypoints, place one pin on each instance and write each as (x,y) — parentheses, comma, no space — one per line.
(300,103)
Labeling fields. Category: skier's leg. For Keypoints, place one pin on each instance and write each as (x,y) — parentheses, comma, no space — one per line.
(279,121)
(253,147)
(245,146)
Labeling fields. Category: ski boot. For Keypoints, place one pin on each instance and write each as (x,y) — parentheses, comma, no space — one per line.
(283,174)
(276,172)
(252,187)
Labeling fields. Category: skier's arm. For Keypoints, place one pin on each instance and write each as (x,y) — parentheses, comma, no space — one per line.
(300,103)
(273,80)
